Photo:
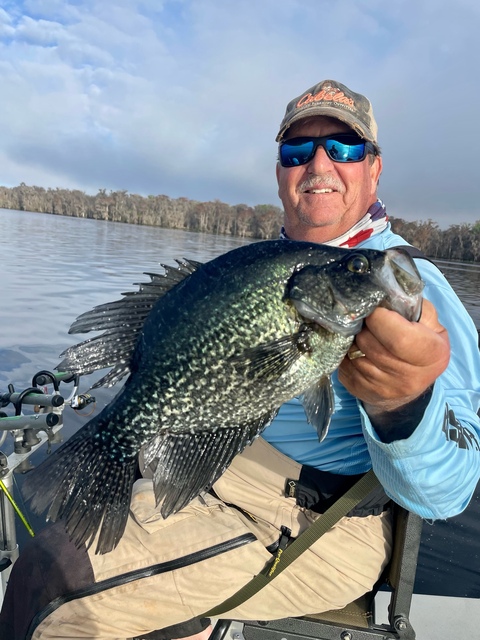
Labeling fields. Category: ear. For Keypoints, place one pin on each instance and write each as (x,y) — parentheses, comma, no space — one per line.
(375,171)
(277,171)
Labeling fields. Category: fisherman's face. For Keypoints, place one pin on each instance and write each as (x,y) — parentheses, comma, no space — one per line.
(323,199)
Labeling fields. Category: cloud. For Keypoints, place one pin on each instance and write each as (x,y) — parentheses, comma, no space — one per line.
(184,97)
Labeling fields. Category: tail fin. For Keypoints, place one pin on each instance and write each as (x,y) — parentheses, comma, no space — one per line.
(87,487)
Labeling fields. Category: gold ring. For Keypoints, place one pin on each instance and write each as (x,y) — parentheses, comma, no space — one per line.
(353,355)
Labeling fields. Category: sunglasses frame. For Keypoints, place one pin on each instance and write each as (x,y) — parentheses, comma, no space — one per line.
(321,142)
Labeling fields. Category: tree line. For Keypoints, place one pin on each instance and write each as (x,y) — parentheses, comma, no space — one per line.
(263,221)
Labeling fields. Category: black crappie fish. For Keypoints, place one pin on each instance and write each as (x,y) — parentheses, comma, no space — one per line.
(213,350)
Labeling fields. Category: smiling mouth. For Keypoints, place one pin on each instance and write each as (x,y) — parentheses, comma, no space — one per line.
(315,191)
(321,185)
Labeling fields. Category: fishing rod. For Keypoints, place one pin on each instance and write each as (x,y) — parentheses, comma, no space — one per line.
(33,418)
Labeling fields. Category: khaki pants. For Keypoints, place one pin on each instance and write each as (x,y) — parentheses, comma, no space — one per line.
(345,563)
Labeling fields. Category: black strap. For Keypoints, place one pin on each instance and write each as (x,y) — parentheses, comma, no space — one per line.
(414,252)
(138,574)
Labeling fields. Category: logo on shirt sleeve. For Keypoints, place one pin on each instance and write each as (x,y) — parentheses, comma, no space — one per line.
(456,432)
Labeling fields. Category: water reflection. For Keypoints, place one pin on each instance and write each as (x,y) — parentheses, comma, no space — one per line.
(465,279)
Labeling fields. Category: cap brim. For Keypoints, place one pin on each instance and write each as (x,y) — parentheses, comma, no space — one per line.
(332,112)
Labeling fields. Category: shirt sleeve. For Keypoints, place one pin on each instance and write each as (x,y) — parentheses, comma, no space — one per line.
(435,470)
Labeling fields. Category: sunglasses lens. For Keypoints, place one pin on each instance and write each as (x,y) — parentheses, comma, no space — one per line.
(344,150)
(339,148)
(296,152)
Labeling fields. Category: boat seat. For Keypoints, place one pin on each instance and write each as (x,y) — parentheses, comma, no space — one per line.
(357,620)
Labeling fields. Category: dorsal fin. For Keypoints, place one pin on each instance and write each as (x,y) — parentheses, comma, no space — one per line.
(121,322)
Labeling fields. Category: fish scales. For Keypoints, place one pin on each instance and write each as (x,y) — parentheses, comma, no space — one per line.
(212,352)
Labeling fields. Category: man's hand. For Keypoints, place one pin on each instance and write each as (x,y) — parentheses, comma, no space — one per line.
(402,359)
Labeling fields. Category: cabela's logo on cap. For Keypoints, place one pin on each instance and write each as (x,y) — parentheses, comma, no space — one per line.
(329,93)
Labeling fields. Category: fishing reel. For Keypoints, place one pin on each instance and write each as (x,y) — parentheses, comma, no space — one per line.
(82,400)
(47,409)
(36,419)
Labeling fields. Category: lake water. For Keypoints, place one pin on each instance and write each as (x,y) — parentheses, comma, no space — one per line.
(53,268)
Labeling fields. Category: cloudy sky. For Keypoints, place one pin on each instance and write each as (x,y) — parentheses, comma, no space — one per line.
(184,97)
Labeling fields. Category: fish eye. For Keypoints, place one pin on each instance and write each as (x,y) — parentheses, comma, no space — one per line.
(358,263)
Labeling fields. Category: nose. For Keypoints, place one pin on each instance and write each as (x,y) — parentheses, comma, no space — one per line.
(320,163)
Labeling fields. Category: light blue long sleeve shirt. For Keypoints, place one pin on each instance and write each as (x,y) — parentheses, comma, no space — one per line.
(433,472)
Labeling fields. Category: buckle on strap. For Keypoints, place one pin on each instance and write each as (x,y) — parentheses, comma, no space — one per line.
(281,544)
(285,537)
(290,490)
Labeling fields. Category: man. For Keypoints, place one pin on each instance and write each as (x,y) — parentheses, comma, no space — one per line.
(407,402)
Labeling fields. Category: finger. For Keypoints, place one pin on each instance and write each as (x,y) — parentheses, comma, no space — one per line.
(413,342)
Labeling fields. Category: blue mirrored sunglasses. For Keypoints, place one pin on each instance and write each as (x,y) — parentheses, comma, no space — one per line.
(340,147)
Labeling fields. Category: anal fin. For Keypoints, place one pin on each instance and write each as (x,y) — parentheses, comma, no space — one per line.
(189,463)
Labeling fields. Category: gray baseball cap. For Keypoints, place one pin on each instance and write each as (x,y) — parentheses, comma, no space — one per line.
(333,99)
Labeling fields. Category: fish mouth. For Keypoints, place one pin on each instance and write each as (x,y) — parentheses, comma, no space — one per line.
(403,284)
(321,296)
(344,322)
(340,295)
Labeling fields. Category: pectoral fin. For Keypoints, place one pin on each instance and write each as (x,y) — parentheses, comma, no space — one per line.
(269,361)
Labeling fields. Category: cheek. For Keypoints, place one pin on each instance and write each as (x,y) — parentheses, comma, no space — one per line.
(357,179)
(287,182)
